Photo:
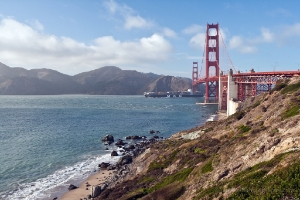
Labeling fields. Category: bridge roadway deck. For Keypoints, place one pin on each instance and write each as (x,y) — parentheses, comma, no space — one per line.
(239,77)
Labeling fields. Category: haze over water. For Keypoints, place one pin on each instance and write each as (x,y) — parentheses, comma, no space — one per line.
(47,142)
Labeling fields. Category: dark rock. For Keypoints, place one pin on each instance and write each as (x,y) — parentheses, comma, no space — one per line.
(114,153)
(223,174)
(133,137)
(131,146)
(108,138)
(155,136)
(96,191)
(157,131)
(120,143)
(72,187)
(108,143)
(103,186)
(55,198)
(89,196)
(111,167)
(127,159)
(152,131)
(261,149)
(103,165)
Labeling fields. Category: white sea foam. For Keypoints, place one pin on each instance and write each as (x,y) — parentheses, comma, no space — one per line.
(59,179)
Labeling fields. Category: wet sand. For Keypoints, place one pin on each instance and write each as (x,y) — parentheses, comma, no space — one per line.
(82,192)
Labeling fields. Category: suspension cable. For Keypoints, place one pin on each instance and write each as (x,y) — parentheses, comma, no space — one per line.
(227,52)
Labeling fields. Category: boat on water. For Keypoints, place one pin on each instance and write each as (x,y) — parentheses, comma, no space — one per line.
(187,93)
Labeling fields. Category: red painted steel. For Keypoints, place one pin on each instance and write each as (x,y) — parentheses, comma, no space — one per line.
(248,84)
(195,76)
(212,63)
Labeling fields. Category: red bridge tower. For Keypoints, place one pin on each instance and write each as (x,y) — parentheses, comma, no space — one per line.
(212,63)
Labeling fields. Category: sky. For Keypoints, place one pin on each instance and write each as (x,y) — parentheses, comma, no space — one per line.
(158,36)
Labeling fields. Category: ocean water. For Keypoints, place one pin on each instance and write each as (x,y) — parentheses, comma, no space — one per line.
(48,142)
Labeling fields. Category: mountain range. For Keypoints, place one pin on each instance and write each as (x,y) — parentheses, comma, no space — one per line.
(109,80)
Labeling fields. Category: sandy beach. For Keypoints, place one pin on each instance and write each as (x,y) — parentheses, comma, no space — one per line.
(85,187)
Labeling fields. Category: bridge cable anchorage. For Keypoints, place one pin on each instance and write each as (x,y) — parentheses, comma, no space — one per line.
(235,71)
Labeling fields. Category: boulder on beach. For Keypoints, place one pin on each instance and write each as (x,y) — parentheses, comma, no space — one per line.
(114,153)
(108,138)
(72,187)
(127,159)
(103,165)
(96,191)
(131,146)
(111,167)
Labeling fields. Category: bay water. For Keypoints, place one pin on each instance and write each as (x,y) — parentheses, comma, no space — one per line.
(48,142)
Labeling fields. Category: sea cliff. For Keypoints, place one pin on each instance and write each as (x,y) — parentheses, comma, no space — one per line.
(251,154)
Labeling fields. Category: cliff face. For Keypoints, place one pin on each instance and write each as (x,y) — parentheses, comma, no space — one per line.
(251,154)
(108,80)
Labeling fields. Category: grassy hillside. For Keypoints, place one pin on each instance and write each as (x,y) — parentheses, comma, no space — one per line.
(253,154)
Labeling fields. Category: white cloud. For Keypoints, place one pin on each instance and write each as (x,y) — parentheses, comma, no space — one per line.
(267,35)
(193,29)
(128,16)
(169,33)
(249,45)
(111,5)
(35,24)
(22,46)
(136,22)
(247,49)
(290,30)
(198,41)
(235,42)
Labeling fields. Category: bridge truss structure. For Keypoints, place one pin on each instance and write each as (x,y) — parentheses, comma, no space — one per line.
(216,82)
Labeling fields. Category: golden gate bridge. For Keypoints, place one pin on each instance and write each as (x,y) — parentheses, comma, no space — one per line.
(220,87)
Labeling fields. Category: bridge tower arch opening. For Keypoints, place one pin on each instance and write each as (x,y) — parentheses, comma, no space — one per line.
(195,77)
(212,63)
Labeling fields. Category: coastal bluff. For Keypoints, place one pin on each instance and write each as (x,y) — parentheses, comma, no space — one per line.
(252,153)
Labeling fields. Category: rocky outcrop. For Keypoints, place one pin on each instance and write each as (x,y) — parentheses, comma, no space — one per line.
(250,150)
(108,138)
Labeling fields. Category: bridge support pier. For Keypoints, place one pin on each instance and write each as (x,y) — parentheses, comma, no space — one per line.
(232,95)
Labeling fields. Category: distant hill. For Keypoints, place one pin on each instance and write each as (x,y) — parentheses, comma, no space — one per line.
(109,80)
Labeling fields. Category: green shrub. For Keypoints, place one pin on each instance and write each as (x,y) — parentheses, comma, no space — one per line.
(257,103)
(198,150)
(244,129)
(207,167)
(279,86)
(254,183)
(163,162)
(291,88)
(292,111)
(172,191)
(179,176)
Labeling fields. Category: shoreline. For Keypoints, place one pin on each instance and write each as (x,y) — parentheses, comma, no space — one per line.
(109,173)
(107,177)
(85,188)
